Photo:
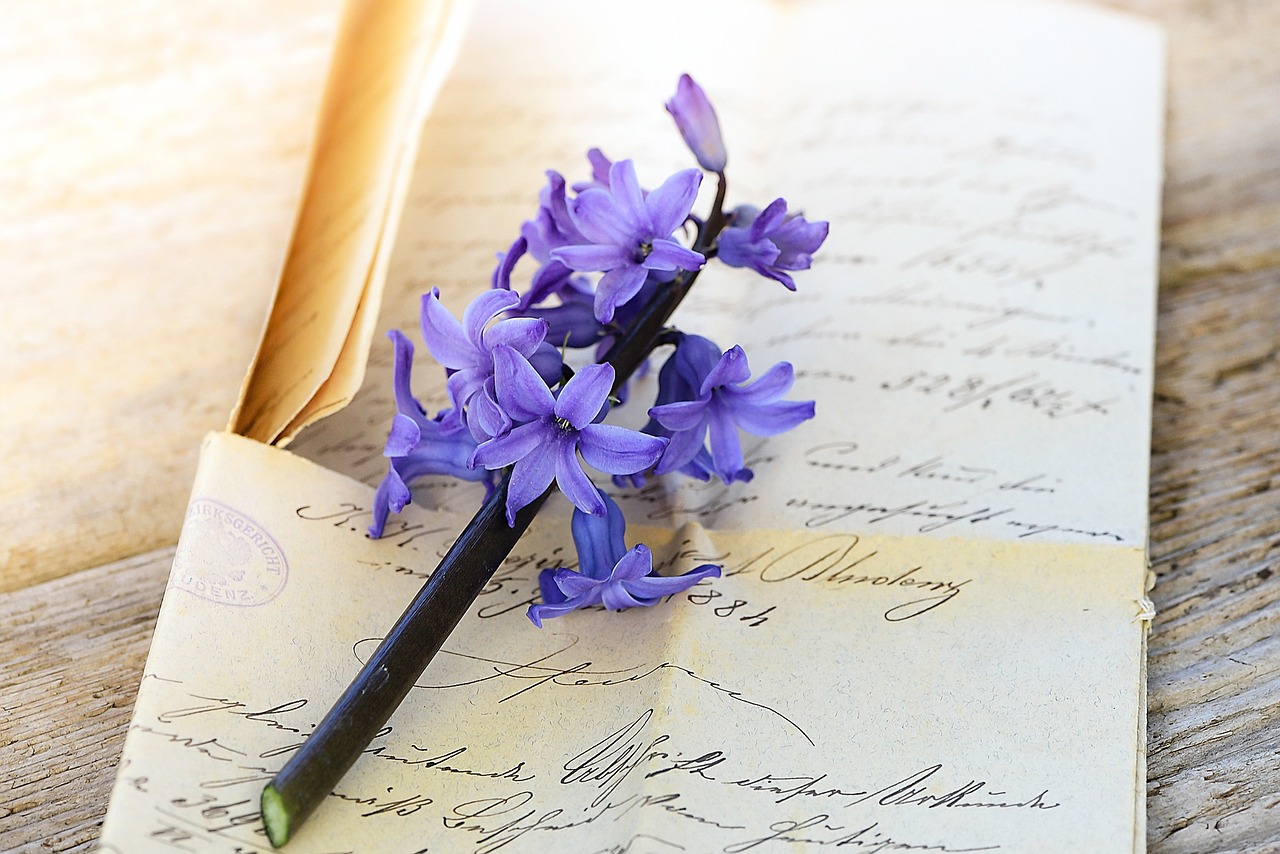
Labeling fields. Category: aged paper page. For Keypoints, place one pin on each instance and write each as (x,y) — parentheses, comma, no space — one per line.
(831,689)
(390,60)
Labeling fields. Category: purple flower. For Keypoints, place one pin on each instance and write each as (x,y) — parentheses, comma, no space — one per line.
(771,241)
(628,233)
(418,445)
(600,166)
(680,379)
(552,227)
(725,403)
(551,431)
(466,351)
(697,122)
(608,573)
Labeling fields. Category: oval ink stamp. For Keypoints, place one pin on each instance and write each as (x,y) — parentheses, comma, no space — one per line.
(226,557)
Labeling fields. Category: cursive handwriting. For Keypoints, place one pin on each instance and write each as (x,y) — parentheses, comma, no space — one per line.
(838,560)
(539,673)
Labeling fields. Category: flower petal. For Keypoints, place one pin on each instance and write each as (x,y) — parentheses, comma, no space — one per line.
(592,258)
(520,391)
(618,450)
(726,447)
(681,415)
(538,613)
(637,563)
(404,436)
(392,494)
(507,262)
(584,395)
(522,334)
(730,370)
(615,597)
(547,362)
(447,458)
(444,334)
(551,278)
(573,324)
(530,477)
(685,446)
(519,443)
(551,592)
(773,418)
(599,539)
(769,386)
(401,368)
(669,255)
(616,287)
(668,206)
(768,219)
(484,308)
(595,213)
(600,166)
(485,418)
(628,198)
(657,586)
(696,119)
(573,481)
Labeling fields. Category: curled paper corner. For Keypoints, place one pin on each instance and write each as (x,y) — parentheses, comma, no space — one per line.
(1146,610)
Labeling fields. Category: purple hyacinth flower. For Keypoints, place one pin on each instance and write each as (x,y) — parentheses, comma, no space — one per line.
(771,241)
(600,166)
(466,351)
(550,432)
(628,233)
(724,404)
(608,573)
(418,445)
(552,227)
(573,322)
(696,119)
(680,379)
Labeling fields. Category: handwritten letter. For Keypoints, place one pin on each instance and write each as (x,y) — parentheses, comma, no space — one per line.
(928,634)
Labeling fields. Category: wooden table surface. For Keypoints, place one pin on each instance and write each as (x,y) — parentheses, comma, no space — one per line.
(74,645)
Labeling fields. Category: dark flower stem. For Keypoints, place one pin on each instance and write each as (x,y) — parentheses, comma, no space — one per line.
(386,679)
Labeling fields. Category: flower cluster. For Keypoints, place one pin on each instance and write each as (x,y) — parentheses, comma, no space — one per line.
(611,265)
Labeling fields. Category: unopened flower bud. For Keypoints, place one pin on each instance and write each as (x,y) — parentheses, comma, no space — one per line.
(697,122)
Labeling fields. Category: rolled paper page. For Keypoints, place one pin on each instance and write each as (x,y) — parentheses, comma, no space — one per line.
(390,60)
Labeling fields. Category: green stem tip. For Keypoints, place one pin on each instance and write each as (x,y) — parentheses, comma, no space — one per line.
(275,815)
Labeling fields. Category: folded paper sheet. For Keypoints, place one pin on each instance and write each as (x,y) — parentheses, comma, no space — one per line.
(930,630)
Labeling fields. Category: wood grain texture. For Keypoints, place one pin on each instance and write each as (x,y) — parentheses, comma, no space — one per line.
(151,158)
(73,649)
(1214,666)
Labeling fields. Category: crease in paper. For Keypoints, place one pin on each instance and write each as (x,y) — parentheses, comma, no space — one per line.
(776,694)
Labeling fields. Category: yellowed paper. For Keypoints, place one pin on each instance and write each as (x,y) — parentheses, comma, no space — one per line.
(389,62)
(871,690)
(930,629)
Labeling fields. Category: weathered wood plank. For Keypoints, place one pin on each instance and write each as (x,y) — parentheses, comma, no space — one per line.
(74,649)
(153,156)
